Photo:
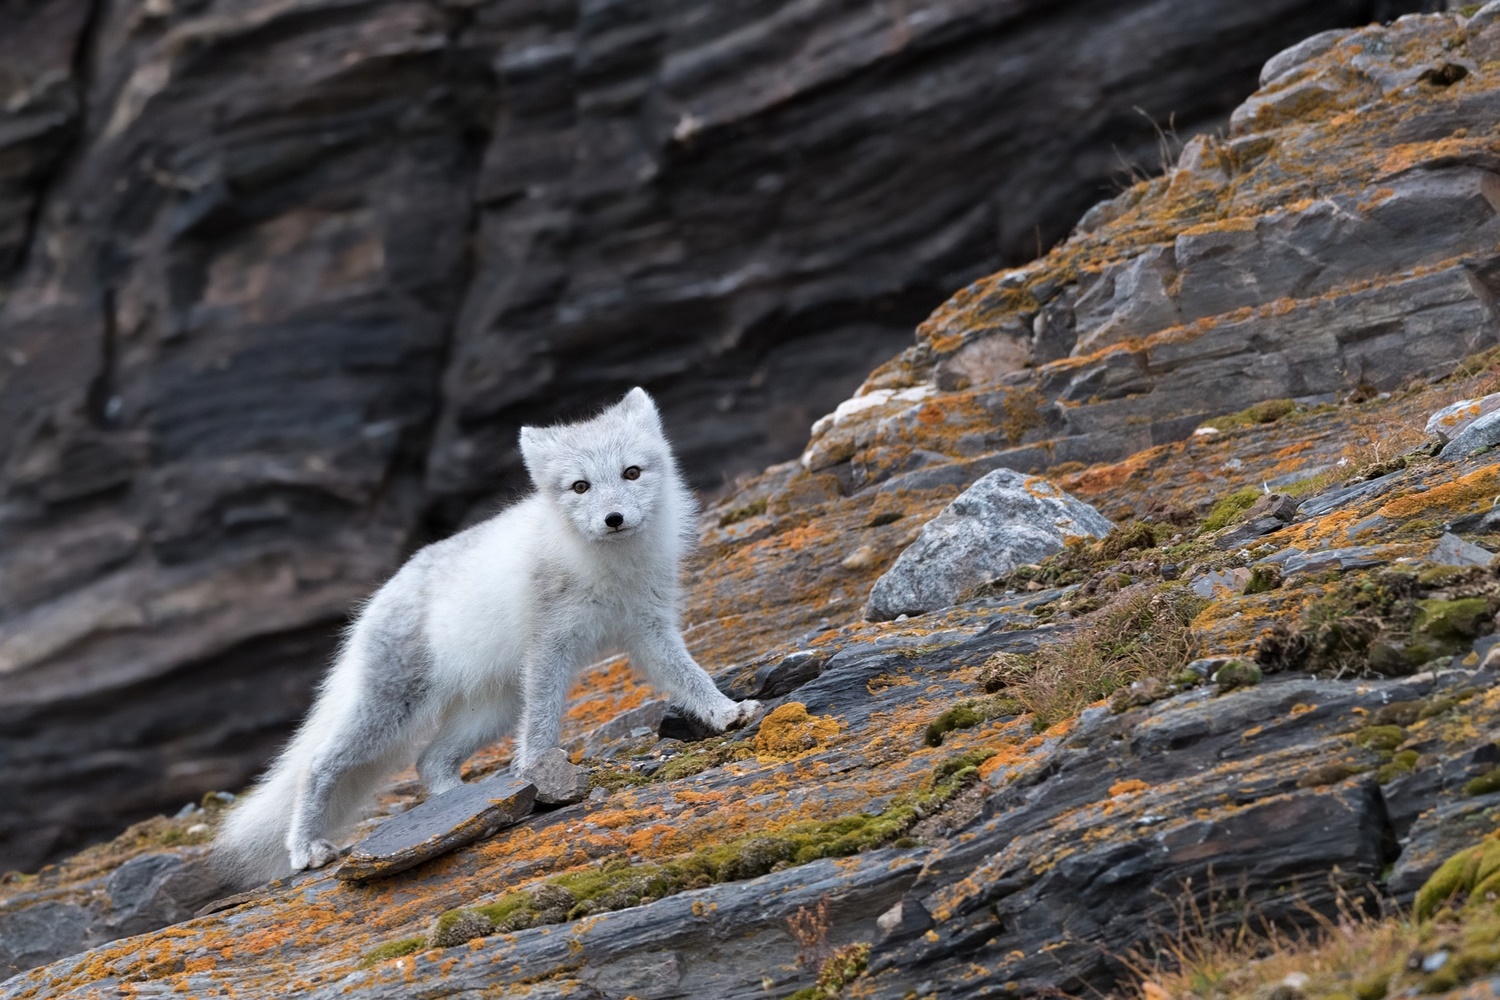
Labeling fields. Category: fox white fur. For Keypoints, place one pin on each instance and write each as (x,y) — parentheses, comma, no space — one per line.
(482,634)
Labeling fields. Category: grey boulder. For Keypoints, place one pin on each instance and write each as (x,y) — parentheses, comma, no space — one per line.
(1482,433)
(1006,519)
(1453,419)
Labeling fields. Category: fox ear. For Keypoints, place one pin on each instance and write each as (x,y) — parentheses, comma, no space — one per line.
(639,404)
(535,444)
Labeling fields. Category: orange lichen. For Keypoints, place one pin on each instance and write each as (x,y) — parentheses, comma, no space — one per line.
(788,732)
(1481,485)
(604,693)
(1127,787)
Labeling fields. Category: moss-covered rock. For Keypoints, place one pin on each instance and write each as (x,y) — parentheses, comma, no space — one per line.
(1468,878)
(1461,618)
(1236,674)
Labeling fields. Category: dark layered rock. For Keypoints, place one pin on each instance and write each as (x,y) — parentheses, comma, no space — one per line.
(278,281)
(1339,241)
(1272,805)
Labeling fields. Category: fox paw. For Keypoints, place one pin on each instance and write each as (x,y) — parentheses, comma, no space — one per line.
(735,714)
(313,854)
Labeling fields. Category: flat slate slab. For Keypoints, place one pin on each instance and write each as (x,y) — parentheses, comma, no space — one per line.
(443,823)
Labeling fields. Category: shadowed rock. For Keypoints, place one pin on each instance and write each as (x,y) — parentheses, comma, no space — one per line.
(443,823)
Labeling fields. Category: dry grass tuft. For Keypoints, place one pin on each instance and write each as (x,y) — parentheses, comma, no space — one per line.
(1224,951)
(809,928)
(1141,633)
(1227,952)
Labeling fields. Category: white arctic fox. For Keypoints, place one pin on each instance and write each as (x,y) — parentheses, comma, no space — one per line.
(483,633)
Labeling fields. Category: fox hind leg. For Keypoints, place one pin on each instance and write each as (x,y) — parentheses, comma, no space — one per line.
(368,739)
(466,729)
(339,780)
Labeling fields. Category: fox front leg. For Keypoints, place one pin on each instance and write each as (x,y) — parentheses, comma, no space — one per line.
(659,652)
(544,694)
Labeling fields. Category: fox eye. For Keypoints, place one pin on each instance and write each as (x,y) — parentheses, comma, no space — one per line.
(580,487)
(634,472)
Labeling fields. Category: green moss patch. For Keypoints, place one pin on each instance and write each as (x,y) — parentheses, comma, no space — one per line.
(963,716)
(1264,579)
(616,886)
(1401,763)
(1380,738)
(754,508)
(1484,784)
(392,949)
(1231,508)
(1462,618)
(968,714)
(1328,774)
(1465,879)
(1267,412)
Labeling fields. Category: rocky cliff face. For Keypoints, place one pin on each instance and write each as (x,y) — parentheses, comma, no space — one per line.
(1269,687)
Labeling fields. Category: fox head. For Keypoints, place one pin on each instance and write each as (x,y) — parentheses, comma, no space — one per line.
(612,476)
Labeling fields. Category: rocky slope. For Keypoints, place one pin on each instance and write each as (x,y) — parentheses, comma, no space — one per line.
(1271,687)
(279,280)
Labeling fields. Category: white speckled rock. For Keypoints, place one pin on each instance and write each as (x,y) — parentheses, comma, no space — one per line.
(1452,419)
(1005,520)
(1482,433)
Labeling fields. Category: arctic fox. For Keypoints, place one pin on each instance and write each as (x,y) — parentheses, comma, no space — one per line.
(483,633)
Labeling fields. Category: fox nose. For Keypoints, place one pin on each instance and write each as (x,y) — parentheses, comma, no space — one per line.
(614,519)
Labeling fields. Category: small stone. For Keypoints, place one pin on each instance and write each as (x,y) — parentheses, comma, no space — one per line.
(1221,583)
(1205,668)
(442,824)
(1236,674)
(890,919)
(785,675)
(679,725)
(1138,693)
(1435,961)
(558,780)
(151,890)
(1278,505)
(1277,991)
(1454,551)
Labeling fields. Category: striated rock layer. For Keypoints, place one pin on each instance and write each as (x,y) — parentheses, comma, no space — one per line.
(279,280)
